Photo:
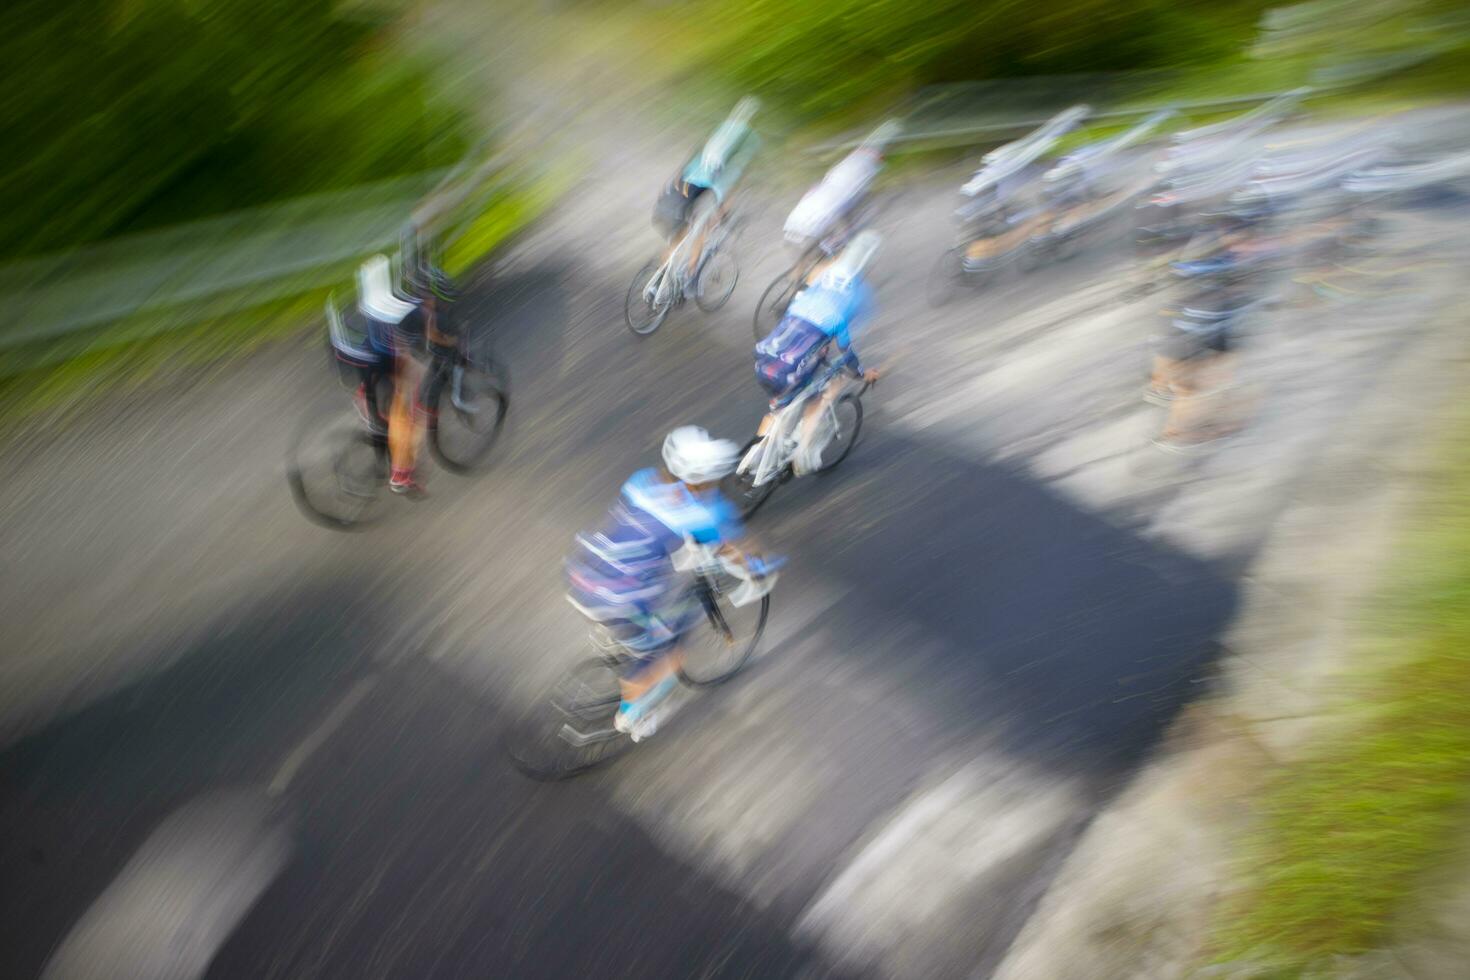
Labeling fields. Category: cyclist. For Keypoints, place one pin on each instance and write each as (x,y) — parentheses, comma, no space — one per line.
(1223,285)
(800,351)
(622,575)
(829,214)
(397,326)
(715,170)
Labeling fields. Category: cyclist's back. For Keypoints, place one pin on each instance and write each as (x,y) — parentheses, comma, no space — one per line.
(624,570)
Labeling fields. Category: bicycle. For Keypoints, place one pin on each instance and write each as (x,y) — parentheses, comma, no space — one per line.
(779,294)
(337,470)
(663,284)
(765,461)
(570,729)
(783,289)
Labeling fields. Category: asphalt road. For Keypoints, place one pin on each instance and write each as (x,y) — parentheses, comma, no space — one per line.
(321,713)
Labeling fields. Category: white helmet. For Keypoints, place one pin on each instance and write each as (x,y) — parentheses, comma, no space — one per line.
(723,142)
(849,266)
(693,457)
(745,110)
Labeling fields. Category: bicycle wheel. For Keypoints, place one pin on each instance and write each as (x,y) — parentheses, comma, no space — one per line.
(645,315)
(468,417)
(570,729)
(848,411)
(716,281)
(740,488)
(947,276)
(717,649)
(773,302)
(337,472)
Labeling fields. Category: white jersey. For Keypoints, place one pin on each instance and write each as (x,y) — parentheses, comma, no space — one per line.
(816,213)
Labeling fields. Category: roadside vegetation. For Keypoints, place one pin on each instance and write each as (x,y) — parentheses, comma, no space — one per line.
(132,126)
(1349,838)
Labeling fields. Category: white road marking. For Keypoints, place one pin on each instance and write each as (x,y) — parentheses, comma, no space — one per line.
(178,899)
(307,746)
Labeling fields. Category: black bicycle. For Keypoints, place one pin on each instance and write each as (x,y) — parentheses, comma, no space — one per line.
(570,728)
(338,466)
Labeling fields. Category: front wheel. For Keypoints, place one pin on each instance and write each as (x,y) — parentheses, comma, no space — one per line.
(643,312)
(570,729)
(773,302)
(947,276)
(740,488)
(468,417)
(716,281)
(847,419)
(717,649)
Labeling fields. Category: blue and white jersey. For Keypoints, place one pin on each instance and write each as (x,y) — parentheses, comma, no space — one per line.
(626,566)
(837,312)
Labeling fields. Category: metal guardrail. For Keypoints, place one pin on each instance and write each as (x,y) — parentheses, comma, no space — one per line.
(64,304)
(972,133)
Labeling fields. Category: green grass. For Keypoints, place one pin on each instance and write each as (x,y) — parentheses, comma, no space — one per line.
(1349,837)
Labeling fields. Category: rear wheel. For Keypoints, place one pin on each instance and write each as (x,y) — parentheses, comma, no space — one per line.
(644,314)
(337,471)
(570,729)
(716,650)
(468,417)
(716,281)
(848,413)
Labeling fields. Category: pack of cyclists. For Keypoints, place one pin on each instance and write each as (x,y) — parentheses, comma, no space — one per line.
(624,574)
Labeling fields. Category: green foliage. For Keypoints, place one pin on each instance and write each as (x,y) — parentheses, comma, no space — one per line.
(1349,835)
(125,114)
(823,58)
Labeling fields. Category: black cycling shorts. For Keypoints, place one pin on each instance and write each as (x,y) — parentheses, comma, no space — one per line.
(675,205)
(1187,345)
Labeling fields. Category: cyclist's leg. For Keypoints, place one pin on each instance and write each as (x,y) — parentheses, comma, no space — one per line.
(404,422)
(721,208)
(811,416)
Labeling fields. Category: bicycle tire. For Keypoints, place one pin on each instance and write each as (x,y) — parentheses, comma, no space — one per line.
(481,414)
(697,670)
(348,493)
(946,278)
(713,302)
(747,498)
(586,696)
(773,302)
(648,316)
(855,401)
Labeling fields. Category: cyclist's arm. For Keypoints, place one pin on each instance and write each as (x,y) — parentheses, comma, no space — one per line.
(857,317)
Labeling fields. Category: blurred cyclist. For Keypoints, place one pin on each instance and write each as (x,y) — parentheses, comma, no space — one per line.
(398,326)
(800,351)
(1223,285)
(714,171)
(622,575)
(829,214)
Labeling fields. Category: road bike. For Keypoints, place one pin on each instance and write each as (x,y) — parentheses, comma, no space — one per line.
(766,461)
(663,284)
(338,464)
(570,728)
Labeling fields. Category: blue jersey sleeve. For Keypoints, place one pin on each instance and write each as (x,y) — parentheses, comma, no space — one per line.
(724,521)
(858,310)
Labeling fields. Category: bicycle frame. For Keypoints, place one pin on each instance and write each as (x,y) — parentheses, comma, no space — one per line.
(769,456)
(673,275)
